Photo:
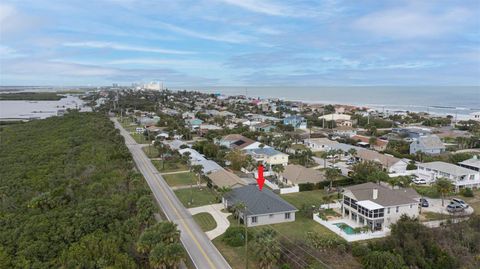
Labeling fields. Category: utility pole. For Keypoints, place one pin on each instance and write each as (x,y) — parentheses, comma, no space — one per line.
(245,220)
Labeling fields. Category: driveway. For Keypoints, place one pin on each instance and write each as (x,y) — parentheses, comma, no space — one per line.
(220,218)
(435,205)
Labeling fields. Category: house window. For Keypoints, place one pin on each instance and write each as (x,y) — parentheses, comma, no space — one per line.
(397,209)
(270,216)
(287,215)
(388,210)
(411,205)
(254,219)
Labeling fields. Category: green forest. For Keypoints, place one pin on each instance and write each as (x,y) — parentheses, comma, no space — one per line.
(69,195)
(32,96)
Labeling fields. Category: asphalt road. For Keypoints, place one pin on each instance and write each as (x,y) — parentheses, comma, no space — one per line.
(200,249)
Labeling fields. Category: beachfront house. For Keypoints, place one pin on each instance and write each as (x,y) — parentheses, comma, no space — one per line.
(461,177)
(377,206)
(262,207)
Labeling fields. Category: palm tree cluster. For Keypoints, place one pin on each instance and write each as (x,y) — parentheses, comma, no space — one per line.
(161,245)
(266,248)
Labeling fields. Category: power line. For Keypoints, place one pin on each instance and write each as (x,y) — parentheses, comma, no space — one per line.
(295,244)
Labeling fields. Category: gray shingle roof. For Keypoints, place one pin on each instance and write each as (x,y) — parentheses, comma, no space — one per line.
(449,168)
(431,142)
(386,196)
(258,202)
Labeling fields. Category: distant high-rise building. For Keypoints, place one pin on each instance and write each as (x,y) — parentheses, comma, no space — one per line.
(154,85)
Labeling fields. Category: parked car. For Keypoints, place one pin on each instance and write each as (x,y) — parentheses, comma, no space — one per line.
(350,162)
(419,181)
(459,201)
(455,208)
(424,202)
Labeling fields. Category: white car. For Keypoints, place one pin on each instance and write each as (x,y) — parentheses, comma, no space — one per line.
(419,181)
(460,202)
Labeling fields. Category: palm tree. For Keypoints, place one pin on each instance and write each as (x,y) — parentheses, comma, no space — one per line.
(237,208)
(197,170)
(167,256)
(443,186)
(331,174)
(352,152)
(324,156)
(266,248)
(222,191)
(278,169)
(393,182)
(328,199)
(162,150)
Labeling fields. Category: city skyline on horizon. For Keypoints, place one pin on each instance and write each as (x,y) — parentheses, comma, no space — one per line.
(240,43)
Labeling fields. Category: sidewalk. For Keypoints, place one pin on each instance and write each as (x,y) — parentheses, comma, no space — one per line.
(220,218)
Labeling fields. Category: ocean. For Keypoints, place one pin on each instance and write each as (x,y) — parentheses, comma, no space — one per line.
(444,100)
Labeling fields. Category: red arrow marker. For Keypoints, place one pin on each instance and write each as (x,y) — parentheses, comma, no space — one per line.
(260,179)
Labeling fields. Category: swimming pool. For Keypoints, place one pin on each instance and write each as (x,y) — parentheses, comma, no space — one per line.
(345,227)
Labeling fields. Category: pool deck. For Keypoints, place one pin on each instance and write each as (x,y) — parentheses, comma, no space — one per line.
(350,237)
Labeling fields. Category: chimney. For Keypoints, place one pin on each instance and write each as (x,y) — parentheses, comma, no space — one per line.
(375,194)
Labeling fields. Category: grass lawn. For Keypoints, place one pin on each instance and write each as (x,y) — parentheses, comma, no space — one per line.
(139,138)
(198,196)
(150,151)
(298,199)
(181,179)
(169,166)
(127,124)
(205,221)
(302,224)
(235,256)
(429,216)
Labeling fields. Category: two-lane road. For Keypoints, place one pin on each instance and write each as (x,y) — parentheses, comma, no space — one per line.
(200,249)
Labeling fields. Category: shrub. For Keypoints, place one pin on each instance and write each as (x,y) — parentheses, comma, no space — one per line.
(323,242)
(306,187)
(467,192)
(359,250)
(235,236)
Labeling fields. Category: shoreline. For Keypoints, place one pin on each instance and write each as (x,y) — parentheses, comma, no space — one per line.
(460,112)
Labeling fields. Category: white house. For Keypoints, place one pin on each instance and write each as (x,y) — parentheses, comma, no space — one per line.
(377,206)
(475,116)
(335,117)
(268,156)
(461,177)
(430,144)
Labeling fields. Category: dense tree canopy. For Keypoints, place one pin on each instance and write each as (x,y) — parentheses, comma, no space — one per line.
(69,197)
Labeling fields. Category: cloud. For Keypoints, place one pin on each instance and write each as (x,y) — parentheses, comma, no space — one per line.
(412,22)
(70,71)
(324,9)
(7,52)
(13,22)
(117,46)
(263,7)
(191,64)
(228,37)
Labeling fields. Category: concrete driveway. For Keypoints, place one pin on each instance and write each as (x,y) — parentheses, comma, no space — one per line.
(220,218)
(435,205)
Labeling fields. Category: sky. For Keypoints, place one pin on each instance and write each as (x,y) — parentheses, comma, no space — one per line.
(240,42)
